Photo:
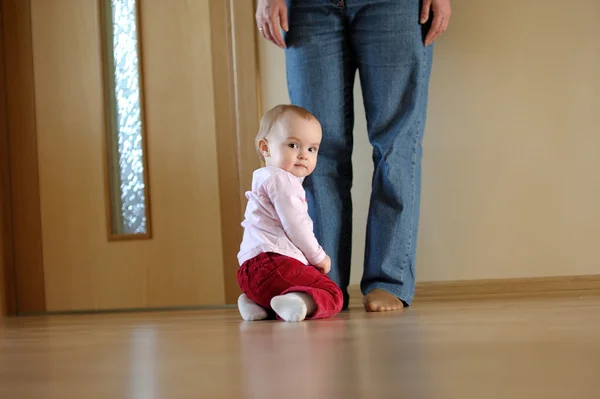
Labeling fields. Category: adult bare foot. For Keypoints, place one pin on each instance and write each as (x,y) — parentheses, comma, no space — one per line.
(381,301)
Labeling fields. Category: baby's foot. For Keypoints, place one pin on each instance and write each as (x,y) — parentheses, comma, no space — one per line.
(249,310)
(293,306)
(381,301)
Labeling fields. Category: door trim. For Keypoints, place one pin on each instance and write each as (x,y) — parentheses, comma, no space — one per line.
(7,294)
(237,108)
(26,229)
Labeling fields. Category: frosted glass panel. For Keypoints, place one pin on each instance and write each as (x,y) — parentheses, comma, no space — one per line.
(128,191)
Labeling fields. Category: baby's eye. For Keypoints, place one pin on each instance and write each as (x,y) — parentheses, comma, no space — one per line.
(293,145)
(312,149)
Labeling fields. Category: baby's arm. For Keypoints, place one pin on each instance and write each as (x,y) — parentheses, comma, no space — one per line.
(324,265)
(284,193)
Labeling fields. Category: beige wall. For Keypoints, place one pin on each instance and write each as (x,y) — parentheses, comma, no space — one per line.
(512,148)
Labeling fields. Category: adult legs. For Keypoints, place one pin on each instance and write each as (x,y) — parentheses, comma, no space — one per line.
(320,74)
(394,68)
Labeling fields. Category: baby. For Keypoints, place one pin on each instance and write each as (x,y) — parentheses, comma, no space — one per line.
(282,266)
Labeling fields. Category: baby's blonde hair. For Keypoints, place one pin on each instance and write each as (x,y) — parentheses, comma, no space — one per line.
(273,116)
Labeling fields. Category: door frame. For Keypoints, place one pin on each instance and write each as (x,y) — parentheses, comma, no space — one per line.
(237,116)
(7,294)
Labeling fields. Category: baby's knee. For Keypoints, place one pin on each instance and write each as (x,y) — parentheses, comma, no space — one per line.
(338,298)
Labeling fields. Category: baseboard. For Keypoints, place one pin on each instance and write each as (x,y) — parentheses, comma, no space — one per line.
(534,287)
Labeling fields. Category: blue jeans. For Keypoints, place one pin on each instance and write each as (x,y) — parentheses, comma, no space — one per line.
(328,41)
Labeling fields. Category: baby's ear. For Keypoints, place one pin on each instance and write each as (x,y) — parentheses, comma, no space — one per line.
(263,147)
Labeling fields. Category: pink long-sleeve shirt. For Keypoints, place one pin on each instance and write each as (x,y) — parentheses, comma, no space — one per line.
(277,220)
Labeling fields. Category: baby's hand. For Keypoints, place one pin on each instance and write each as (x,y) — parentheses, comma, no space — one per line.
(324,265)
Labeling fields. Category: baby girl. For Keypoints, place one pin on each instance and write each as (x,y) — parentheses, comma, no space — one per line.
(282,266)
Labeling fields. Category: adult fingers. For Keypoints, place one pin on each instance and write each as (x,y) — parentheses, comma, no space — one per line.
(275,31)
(433,33)
(283,17)
(425,10)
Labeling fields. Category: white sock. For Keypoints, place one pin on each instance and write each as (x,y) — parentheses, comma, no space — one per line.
(293,306)
(249,310)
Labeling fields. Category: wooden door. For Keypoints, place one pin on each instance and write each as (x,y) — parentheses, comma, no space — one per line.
(72,250)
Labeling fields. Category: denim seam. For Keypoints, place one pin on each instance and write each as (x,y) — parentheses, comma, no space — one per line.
(409,245)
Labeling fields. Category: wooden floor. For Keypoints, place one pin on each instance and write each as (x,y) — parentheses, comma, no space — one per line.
(496,349)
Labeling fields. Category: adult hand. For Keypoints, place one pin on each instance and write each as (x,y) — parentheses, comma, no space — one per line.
(441,18)
(269,15)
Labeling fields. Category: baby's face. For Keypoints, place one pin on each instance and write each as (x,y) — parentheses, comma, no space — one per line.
(294,145)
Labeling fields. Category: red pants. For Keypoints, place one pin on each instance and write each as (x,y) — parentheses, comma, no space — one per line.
(269,275)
